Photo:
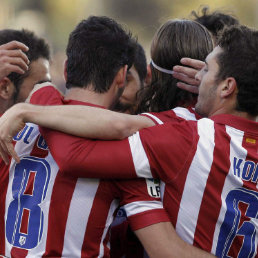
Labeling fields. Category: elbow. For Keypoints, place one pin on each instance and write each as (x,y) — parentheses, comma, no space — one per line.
(121,130)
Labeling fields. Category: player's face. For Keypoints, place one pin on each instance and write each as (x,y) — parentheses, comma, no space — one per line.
(208,96)
(39,72)
(132,86)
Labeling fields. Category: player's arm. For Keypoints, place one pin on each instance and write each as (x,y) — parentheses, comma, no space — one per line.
(84,121)
(161,240)
(13,58)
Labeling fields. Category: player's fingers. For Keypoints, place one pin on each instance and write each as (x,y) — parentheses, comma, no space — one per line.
(4,153)
(15,61)
(14,69)
(190,72)
(14,45)
(185,79)
(15,53)
(12,152)
(187,87)
(197,64)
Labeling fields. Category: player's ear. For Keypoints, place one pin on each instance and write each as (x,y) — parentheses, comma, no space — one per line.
(121,75)
(7,88)
(65,70)
(229,87)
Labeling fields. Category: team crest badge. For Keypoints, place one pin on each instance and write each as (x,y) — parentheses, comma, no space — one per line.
(22,240)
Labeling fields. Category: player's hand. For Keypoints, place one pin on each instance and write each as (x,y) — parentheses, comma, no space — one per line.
(13,58)
(10,124)
(187,74)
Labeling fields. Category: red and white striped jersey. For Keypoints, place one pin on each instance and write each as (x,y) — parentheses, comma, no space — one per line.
(210,171)
(48,213)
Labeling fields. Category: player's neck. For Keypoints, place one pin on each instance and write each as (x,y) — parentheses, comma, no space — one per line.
(90,96)
(233,111)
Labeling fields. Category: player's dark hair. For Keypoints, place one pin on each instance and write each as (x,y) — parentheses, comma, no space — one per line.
(174,40)
(215,21)
(38,48)
(140,62)
(97,48)
(239,59)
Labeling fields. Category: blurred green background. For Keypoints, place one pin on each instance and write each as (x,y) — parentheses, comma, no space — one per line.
(55,19)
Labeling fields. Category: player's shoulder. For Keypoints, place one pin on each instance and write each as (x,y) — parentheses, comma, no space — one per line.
(45,94)
(173,115)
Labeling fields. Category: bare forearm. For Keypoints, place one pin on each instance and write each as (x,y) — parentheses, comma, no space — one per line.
(83,121)
(161,240)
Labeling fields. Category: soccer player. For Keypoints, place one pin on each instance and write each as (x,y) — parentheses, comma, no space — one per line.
(26,71)
(209,166)
(120,230)
(135,79)
(16,86)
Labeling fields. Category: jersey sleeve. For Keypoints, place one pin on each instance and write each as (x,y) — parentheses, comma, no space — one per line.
(81,157)
(46,96)
(141,201)
(164,149)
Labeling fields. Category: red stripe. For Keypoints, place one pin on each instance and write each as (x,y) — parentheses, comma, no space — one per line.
(4,180)
(97,220)
(58,212)
(25,221)
(147,218)
(18,252)
(211,202)
(30,183)
(37,151)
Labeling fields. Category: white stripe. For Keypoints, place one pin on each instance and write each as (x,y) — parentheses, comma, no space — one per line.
(114,205)
(140,160)
(153,117)
(196,179)
(184,113)
(141,206)
(236,150)
(79,211)
(162,189)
